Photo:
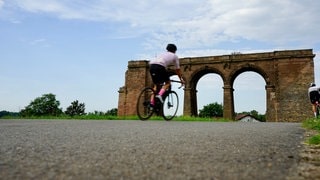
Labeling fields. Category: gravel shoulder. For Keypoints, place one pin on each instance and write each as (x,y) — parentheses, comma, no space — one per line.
(309,165)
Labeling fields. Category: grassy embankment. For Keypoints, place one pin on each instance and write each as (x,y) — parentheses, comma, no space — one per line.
(313,124)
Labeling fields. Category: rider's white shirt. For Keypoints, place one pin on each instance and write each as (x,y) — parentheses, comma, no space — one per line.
(166,59)
(314,88)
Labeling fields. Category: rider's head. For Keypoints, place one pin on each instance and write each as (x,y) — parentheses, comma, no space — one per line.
(312,84)
(172,48)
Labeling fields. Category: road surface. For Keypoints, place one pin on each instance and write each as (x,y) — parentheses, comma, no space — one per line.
(125,149)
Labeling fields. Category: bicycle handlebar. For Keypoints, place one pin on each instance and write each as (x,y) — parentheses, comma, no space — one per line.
(178,82)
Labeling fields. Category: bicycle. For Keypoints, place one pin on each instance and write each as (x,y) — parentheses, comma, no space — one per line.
(168,109)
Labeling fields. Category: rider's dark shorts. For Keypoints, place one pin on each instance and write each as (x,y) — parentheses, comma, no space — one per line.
(158,73)
(314,96)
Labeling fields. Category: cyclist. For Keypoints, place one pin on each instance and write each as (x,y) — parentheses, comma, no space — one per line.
(159,73)
(314,96)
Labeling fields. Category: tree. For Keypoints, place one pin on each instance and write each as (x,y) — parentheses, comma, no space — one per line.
(47,105)
(254,113)
(211,110)
(112,112)
(76,109)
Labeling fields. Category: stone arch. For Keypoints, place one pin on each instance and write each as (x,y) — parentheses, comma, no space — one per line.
(287,74)
(196,75)
(246,68)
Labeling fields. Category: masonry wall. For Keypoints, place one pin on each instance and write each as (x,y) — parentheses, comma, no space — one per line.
(137,77)
(294,74)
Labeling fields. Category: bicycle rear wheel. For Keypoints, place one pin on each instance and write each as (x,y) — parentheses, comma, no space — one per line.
(144,108)
(170,106)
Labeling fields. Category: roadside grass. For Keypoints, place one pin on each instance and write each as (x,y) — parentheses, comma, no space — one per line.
(313,124)
(314,139)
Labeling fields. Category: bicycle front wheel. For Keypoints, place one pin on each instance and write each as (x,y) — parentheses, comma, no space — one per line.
(170,106)
(144,108)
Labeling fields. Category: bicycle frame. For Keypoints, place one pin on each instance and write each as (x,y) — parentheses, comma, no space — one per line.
(159,86)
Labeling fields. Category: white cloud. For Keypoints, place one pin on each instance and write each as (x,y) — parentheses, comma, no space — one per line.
(1,3)
(195,24)
(36,6)
(37,41)
(15,21)
(279,22)
(200,22)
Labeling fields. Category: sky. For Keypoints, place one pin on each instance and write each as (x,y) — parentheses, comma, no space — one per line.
(79,49)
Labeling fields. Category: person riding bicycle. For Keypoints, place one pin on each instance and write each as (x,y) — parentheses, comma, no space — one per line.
(314,96)
(159,73)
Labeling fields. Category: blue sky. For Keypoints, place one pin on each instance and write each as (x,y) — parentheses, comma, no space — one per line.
(79,49)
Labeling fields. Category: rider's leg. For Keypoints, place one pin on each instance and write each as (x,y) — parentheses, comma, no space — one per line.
(314,109)
(152,96)
(164,88)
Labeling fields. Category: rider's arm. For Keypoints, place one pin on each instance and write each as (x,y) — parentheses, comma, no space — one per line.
(178,72)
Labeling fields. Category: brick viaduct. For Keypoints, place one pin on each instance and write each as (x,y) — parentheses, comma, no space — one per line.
(287,75)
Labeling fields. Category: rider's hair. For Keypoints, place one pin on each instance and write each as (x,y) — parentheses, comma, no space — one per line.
(312,84)
(172,48)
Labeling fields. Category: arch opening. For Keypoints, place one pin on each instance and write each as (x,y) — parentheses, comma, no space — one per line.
(250,93)
(209,90)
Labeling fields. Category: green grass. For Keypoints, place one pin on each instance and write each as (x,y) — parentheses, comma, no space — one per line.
(313,124)
(314,139)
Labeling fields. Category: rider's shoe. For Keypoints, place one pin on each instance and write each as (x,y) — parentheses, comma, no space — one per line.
(160,98)
(151,106)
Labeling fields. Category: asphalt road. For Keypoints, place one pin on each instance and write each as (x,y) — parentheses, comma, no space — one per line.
(74,149)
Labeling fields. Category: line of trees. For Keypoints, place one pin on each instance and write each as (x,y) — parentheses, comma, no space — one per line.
(9,114)
(48,105)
